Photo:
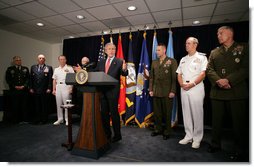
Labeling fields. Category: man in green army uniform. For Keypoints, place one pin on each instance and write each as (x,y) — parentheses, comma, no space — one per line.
(162,87)
(17,77)
(228,73)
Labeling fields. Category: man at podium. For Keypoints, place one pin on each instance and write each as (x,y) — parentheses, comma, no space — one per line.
(109,101)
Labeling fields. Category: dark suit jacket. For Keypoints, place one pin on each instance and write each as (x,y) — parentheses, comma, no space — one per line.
(115,71)
(40,81)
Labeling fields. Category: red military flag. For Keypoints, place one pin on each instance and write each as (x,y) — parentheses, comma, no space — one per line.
(122,95)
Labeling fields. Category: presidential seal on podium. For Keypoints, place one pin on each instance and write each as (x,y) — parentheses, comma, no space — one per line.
(81,77)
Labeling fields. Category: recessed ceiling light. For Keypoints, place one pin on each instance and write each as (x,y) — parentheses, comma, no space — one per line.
(40,24)
(196,22)
(80,17)
(132,8)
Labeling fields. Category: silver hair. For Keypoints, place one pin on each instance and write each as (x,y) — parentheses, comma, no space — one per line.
(195,40)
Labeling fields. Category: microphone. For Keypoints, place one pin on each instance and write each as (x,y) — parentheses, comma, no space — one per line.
(90,65)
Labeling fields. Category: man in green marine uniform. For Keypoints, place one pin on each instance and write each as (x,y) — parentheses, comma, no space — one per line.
(162,87)
(228,72)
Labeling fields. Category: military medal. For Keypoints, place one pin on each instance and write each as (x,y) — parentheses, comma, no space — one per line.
(46,70)
(223,71)
(166,71)
(237,60)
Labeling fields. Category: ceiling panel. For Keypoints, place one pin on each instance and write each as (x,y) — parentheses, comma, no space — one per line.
(140,4)
(199,11)
(168,15)
(190,3)
(104,12)
(72,16)
(225,18)
(116,1)
(60,6)
(15,2)
(116,22)
(58,20)
(159,5)
(140,19)
(3,5)
(95,26)
(203,21)
(245,17)
(36,9)
(90,3)
(59,16)
(57,31)
(16,14)
(232,7)
(75,28)
(47,25)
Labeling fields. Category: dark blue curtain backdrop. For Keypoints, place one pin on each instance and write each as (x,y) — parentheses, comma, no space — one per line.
(75,49)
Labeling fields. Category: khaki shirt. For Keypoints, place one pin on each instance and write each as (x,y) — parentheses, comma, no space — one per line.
(162,79)
(233,65)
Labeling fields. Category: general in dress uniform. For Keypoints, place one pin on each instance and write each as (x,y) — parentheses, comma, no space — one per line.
(228,71)
(162,87)
(17,77)
(41,88)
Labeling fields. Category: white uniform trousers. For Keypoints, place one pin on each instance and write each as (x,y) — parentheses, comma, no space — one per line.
(62,94)
(192,108)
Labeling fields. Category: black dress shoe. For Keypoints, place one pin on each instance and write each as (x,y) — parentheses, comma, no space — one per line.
(155,133)
(212,149)
(116,139)
(165,137)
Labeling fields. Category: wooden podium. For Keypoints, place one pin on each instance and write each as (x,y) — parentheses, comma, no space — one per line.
(91,140)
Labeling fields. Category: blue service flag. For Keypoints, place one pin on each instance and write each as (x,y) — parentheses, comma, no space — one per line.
(143,100)
(130,86)
(155,44)
(170,53)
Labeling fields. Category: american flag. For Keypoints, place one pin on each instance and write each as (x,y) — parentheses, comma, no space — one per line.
(102,50)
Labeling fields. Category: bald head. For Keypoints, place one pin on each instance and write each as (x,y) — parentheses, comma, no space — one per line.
(84,60)
(41,59)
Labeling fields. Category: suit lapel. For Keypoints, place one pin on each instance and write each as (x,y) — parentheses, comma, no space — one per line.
(113,63)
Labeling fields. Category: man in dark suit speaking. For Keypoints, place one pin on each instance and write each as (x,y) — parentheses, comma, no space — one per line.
(109,102)
(41,87)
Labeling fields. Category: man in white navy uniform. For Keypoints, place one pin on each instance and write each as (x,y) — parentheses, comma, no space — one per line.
(60,89)
(191,73)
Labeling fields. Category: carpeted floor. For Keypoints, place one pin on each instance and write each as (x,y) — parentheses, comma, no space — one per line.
(42,143)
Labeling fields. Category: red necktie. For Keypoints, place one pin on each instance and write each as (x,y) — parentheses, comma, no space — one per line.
(107,65)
